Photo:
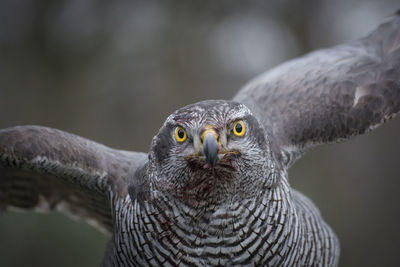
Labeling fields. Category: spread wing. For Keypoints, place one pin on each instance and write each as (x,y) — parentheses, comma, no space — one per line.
(331,94)
(43,169)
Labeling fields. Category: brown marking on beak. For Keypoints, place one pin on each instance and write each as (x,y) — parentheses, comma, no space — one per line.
(209,129)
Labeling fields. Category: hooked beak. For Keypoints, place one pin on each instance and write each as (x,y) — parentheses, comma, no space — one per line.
(210,148)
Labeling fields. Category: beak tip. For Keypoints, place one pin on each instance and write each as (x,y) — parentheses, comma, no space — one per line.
(210,149)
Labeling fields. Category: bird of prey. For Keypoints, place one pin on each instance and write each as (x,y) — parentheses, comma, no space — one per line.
(214,189)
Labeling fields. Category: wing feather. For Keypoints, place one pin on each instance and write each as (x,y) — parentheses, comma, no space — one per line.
(45,169)
(331,94)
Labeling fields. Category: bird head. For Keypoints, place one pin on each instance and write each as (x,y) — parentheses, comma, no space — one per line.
(210,152)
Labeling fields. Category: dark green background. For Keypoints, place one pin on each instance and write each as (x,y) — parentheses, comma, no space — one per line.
(112,72)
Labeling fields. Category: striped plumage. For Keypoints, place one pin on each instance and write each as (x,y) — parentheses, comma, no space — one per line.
(279,228)
(229,204)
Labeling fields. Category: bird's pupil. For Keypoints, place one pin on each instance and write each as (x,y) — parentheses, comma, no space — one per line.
(238,128)
(181,133)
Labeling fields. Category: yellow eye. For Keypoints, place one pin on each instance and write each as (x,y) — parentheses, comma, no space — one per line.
(239,128)
(180,134)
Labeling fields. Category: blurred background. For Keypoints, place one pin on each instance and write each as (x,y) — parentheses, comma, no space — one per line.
(112,71)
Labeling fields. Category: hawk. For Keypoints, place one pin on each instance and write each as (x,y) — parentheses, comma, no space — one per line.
(214,188)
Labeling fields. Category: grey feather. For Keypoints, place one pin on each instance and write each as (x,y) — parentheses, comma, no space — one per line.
(44,169)
(331,94)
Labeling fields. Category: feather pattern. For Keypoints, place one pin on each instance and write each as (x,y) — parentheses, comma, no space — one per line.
(44,169)
(331,94)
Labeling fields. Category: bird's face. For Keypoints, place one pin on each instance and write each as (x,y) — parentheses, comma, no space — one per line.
(210,152)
